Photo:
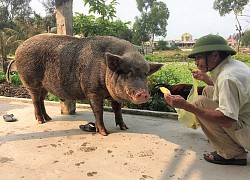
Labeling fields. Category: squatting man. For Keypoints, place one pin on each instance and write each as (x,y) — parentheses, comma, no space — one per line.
(223,109)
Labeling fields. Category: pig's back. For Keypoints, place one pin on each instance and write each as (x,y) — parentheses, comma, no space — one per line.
(52,49)
(65,65)
(46,60)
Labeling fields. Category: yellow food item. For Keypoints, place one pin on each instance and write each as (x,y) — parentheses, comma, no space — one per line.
(165,90)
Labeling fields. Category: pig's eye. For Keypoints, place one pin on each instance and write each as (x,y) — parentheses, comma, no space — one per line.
(145,74)
(126,74)
(129,73)
(123,72)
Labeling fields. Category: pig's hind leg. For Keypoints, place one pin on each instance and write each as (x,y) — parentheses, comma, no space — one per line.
(117,108)
(37,96)
(44,93)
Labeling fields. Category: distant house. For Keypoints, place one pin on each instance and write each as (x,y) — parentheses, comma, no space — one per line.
(185,42)
(186,37)
(231,42)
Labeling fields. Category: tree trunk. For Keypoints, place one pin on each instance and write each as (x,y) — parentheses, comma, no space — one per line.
(4,56)
(152,44)
(64,25)
(4,64)
(64,17)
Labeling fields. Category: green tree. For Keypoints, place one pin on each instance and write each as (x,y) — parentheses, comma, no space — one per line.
(246,39)
(89,25)
(154,16)
(29,26)
(144,5)
(162,45)
(158,17)
(19,16)
(83,25)
(140,33)
(120,29)
(8,40)
(225,7)
(49,6)
(4,17)
(50,18)
(107,11)
(15,9)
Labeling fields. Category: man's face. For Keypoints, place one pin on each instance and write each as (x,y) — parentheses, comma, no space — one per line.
(200,61)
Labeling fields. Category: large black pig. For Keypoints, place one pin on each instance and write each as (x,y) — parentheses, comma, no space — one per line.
(95,68)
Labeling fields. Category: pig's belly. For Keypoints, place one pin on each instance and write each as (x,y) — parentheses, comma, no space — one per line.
(65,91)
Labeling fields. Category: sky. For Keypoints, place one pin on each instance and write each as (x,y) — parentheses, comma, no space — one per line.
(196,17)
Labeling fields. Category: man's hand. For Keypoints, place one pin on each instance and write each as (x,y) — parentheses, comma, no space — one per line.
(175,101)
(199,75)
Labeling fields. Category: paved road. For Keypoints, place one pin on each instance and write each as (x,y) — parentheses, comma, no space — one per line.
(153,148)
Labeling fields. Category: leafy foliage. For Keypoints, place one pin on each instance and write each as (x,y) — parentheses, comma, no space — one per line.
(157,19)
(8,40)
(140,33)
(89,25)
(49,5)
(2,77)
(51,97)
(246,39)
(154,15)
(152,22)
(225,7)
(162,45)
(49,21)
(12,9)
(107,11)
(144,5)
(4,21)
(15,79)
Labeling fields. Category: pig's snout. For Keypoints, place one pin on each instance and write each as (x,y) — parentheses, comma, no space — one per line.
(141,97)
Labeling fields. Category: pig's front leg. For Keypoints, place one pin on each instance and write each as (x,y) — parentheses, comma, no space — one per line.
(97,108)
(117,108)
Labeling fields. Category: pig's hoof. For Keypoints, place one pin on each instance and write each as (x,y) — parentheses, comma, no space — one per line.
(47,118)
(123,126)
(41,121)
(102,131)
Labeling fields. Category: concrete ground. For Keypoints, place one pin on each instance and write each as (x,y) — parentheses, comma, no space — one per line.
(152,148)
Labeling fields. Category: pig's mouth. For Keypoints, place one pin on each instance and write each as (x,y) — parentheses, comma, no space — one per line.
(138,97)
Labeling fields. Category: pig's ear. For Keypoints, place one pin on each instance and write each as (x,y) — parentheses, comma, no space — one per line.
(112,61)
(154,67)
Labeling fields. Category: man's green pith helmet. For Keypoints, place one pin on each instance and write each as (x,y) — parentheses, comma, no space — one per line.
(210,43)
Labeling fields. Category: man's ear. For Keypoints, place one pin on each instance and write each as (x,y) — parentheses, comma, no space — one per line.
(216,54)
(112,61)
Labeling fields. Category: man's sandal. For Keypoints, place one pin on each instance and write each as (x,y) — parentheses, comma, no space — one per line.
(89,127)
(9,118)
(217,159)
